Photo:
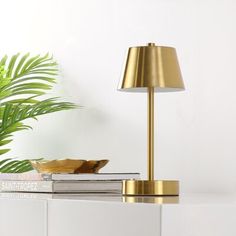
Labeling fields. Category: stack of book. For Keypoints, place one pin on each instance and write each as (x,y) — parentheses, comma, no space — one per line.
(110,183)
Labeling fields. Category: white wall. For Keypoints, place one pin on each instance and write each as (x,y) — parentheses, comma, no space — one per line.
(195,132)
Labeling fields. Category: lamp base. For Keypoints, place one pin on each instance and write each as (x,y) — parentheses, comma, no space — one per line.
(151,187)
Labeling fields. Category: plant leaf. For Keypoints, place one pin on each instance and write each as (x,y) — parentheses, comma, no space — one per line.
(3,151)
(23,80)
(20,64)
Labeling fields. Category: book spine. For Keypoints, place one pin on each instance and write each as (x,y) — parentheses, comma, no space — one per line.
(26,186)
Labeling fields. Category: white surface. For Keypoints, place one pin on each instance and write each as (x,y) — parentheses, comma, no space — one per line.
(183,200)
(198,220)
(20,217)
(194,215)
(196,128)
(101,218)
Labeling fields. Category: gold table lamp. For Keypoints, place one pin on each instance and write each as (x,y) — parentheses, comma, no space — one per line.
(151,69)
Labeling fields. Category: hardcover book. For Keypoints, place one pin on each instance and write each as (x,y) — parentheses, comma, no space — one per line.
(69,177)
(47,186)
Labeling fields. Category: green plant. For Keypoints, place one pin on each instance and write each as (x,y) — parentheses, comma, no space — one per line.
(10,165)
(23,82)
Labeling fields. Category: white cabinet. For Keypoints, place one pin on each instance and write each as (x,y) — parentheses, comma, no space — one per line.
(57,215)
(21,217)
(199,220)
(87,218)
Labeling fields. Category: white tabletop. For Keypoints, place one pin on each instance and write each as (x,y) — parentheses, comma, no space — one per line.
(183,199)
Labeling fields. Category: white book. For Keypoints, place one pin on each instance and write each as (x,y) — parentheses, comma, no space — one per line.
(62,186)
(99,176)
(69,177)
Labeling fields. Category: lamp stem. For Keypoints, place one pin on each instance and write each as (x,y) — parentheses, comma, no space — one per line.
(150,133)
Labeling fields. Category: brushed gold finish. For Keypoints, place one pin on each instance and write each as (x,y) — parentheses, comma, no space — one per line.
(70,166)
(151,187)
(92,166)
(151,69)
(150,134)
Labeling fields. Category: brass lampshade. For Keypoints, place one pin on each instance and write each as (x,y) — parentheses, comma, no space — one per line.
(151,69)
